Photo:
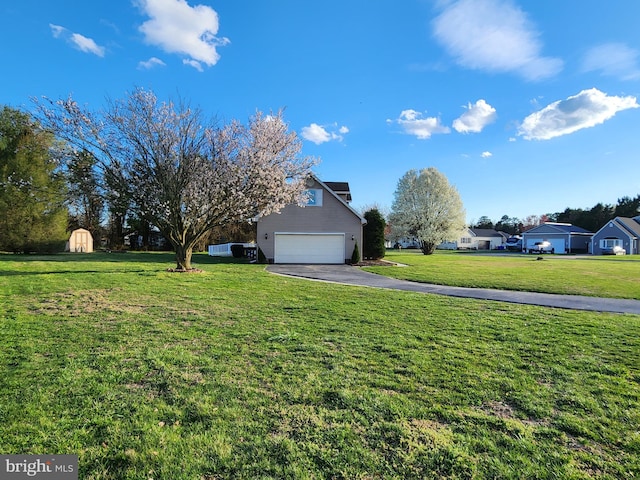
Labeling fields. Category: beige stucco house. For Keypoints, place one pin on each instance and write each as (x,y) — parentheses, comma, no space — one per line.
(325,231)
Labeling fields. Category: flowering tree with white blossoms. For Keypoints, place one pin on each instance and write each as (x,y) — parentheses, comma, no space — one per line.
(427,207)
(181,174)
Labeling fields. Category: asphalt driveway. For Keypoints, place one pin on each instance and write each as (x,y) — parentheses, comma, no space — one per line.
(348,275)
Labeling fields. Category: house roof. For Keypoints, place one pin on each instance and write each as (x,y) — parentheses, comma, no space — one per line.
(560,228)
(486,232)
(341,188)
(630,224)
(339,196)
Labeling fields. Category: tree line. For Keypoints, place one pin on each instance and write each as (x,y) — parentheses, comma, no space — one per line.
(141,163)
(591,219)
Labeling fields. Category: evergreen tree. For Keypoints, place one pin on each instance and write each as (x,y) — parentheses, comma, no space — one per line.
(628,207)
(355,255)
(484,222)
(373,235)
(33,217)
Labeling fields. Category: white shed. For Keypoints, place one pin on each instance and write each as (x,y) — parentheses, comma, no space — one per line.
(80,241)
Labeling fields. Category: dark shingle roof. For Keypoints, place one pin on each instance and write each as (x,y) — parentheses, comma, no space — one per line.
(485,232)
(567,227)
(630,224)
(341,188)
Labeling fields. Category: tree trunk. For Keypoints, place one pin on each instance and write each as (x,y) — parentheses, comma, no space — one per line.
(183,257)
(146,235)
(428,247)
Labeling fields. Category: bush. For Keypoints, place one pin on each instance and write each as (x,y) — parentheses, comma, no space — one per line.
(237,250)
(355,256)
(373,235)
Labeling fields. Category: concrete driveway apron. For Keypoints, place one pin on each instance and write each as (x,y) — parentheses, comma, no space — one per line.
(348,275)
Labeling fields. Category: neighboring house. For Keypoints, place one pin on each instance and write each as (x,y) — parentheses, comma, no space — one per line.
(621,231)
(324,231)
(564,237)
(80,241)
(406,242)
(477,239)
(135,241)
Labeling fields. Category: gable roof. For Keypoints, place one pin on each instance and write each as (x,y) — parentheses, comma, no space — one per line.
(560,228)
(630,224)
(338,197)
(486,232)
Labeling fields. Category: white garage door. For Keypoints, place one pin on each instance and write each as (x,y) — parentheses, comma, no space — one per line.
(557,243)
(309,248)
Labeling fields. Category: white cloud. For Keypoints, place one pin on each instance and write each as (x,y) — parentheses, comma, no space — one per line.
(316,134)
(87,45)
(477,116)
(179,28)
(152,62)
(193,63)
(613,59)
(412,123)
(319,134)
(495,36)
(80,42)
(586,109)
(486,154)
(57,30)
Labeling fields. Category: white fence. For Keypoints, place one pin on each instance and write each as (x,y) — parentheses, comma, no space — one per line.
(224,249)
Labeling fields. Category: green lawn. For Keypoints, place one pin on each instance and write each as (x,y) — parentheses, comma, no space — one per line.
(599,276)
(237,373)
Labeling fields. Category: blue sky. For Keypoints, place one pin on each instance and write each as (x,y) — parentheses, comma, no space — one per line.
(528,107)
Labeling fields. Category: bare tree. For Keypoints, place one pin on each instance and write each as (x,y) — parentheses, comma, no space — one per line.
(84,195)
(427,207)
(181,174)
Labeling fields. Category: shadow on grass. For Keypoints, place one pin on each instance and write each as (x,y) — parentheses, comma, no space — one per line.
(13,273)
(163,261)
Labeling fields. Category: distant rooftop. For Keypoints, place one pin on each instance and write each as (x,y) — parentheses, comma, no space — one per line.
(566,227)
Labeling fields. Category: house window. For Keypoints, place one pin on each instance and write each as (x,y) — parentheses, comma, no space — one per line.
(610,242)
(315,197)
(465,240)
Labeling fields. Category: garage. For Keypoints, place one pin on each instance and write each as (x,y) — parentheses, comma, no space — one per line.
(309,248)
(558,244)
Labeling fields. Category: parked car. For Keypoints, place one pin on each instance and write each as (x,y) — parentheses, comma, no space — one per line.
(542,247)
(616,250)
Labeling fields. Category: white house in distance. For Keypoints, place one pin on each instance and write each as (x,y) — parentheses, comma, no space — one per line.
(325,231)
(477,239)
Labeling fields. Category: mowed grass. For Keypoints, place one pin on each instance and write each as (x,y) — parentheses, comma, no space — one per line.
(237,373)
(599,276)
